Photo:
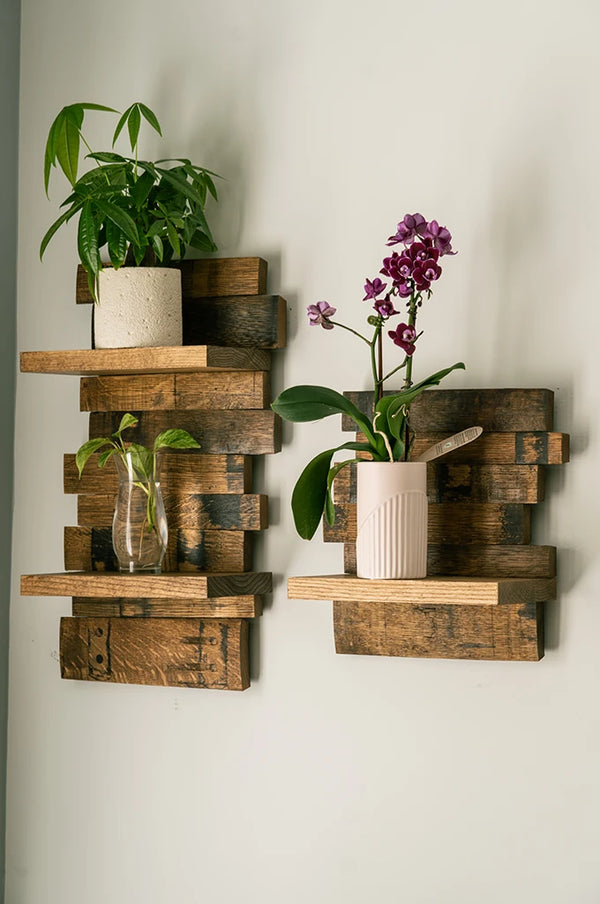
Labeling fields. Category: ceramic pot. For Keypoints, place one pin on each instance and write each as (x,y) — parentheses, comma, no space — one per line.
(391,519)
(138,307)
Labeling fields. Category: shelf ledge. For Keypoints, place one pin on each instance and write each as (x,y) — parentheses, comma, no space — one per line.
(152,586)
(451,591)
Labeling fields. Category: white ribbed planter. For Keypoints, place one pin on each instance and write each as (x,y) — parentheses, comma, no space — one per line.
(391,519)
(138,307)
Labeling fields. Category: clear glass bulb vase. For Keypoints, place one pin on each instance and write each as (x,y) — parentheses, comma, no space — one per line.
(139,533)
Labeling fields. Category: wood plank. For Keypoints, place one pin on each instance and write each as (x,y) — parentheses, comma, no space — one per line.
(219,607)
(532,448)
(203,390)
(449,482)
(229,432)
(167,359)
(512,632)
(207,512)
(480,560)
(452,522)
(187,472)
(206,278)
(445,591)
(169,652)
(154,586)
(451,410)
(244,322)
(91,549)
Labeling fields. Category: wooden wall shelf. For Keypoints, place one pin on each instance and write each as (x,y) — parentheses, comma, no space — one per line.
(189,625)
(483,598)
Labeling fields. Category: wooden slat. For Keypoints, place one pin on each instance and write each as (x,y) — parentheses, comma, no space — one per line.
(170,652)
(513,632)
(167,359)
(147,392)
(451,410)
(181,473)
(245,322)
(220,607)
(154,586)
(230,432)
(206,278)
(452,522)
(91,549)
(533,448)
(447,482)
(484,561)
(201,512)
(455,591)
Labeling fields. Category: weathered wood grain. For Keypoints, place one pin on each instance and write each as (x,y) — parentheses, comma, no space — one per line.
(206,278)
(209,512)
(91,549)
(480,561)
(452,522)
(154,586)
(512,632)
(228,432)
(448,482)
(203,390)
(451,410)
(188,472)
(144,360)
(171,652)
(533,448)
(220,607)
(244,322)
(447,591)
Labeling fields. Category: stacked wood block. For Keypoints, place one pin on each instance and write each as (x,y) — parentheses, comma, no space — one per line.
(481,499)
(187,626)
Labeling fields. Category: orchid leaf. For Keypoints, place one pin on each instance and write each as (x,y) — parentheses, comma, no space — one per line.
(312,403)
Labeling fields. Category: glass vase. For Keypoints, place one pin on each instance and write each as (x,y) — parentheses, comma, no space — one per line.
(139,533)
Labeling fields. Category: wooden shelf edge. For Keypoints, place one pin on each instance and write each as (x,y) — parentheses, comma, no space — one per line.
(154,586)
(451,591)
(164,359)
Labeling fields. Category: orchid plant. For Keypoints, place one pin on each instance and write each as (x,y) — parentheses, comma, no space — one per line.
(387,435)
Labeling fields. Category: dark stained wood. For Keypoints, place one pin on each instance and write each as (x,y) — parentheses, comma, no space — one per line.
(449,523)
(206,278)
(187,472)
(472,560)
(244,322)
(512,632)
(154,586)
(451,410)
(220,607)
(533,448)
(173,652)
(449,482)
(229,432)
(157,360)
(91,549)
(203,390)
(208,512)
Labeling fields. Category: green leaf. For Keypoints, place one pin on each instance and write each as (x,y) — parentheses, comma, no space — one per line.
(142,460)
(175,439)
(117,244)
(312,403)
(150,117)
(157,247)
(133,125)
(57,224)
(309,496)
(128,420)
(87,240)
(109,157)
(182,185)
(120,218)
(333,472)
(67,148)
(87,449)
(105,456)
(141,189)
(173,238)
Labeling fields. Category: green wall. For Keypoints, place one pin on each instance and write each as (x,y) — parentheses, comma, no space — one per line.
(9,107)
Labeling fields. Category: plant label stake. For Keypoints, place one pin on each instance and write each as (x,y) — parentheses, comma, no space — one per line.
(453,442)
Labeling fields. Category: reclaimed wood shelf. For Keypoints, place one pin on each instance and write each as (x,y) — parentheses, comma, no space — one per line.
(186,627)
(486,585)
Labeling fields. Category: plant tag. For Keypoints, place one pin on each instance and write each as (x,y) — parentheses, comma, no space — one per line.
(453,442)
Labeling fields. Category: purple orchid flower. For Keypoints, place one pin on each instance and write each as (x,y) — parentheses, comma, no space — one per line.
(441,238)
(319,314)
(412,226)
(404,336)
(373,289)
(385,307)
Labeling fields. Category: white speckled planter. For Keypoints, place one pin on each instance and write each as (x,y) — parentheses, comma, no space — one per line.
(391,518)
(138,306)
